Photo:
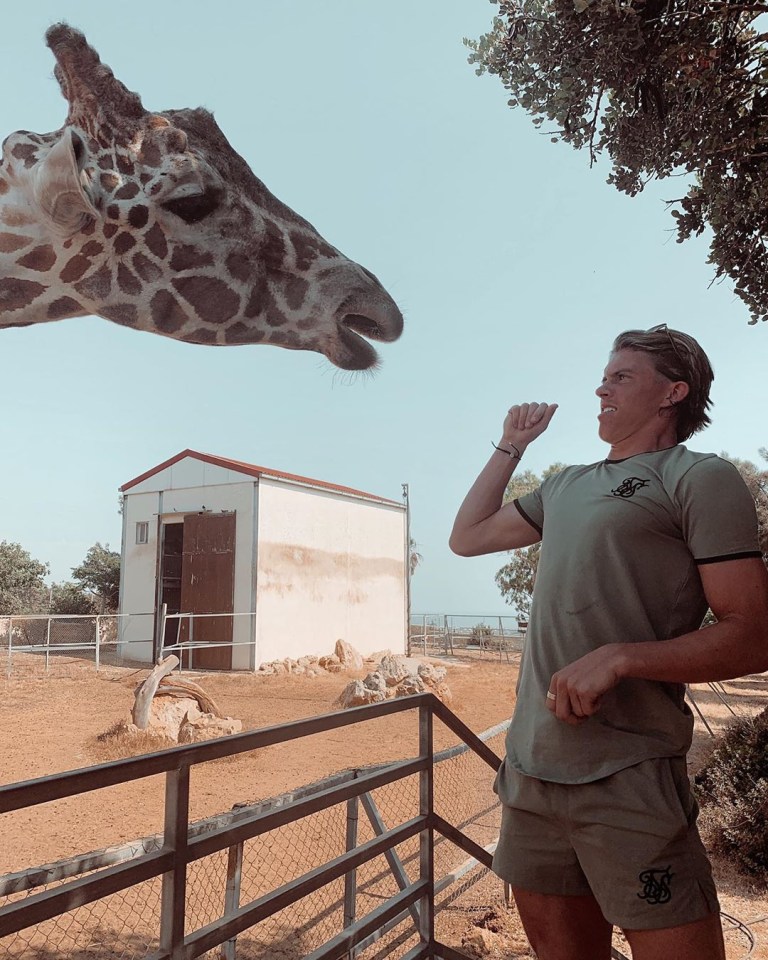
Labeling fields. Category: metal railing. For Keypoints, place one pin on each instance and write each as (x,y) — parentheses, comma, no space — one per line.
(448,634)
(379,869)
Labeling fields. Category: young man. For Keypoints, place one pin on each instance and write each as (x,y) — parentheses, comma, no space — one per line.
(598,822)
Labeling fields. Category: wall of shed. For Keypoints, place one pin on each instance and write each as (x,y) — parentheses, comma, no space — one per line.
(329,567)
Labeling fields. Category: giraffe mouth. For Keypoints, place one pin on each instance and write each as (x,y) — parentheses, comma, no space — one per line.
(352,350)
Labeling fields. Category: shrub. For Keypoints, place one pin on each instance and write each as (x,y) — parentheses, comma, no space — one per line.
(732,789)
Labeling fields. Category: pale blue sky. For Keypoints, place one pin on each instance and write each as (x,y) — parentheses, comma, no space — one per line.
(514,263)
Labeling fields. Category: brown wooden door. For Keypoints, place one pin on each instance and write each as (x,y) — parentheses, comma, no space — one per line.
(208,586)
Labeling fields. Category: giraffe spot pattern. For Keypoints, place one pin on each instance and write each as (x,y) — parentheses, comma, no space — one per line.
(147,270)
(127,282)
(27,152)
(211,297)
(124,164)
(156,242)
(138,216)
(106,163)
(11,242)
(113,211)
(295,292)
(15,294)
(122,313)
(98,286)
(63,307)
(239,266)
(150,155)
(167,313)
(201,335)
(260,297)
(109,181)
(274,317)
(88,228)
(74,268)
(123,243)
(241,333)
(92,248)
(127,192)
(41,258)
(110,229)
(273,248)
(309,248)
(185,257)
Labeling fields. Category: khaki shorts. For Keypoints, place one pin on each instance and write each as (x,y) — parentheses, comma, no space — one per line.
(629,839)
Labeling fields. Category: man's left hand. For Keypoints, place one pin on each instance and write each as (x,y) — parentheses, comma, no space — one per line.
(576,690)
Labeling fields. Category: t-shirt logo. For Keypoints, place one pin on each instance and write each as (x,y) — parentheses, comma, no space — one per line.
(629,487)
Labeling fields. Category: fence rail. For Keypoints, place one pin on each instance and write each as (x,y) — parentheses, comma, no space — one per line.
(448,634)
(378,894)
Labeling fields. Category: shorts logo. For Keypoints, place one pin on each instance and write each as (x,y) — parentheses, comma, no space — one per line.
(655,886)
(629,487)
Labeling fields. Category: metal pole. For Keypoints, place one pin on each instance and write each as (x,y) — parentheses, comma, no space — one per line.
(424,630)
(426,837)
(97,642)
(232,895)
(350,879)
(407,570)
(10,645)
(48,645)
(175,881)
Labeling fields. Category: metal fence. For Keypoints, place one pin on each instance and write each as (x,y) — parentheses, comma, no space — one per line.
(361,865)
(448,634)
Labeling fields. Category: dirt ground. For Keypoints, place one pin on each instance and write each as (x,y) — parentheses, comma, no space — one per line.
(51,724)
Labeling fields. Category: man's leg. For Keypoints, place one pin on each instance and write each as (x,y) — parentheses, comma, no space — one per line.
(692,941)
(567,928)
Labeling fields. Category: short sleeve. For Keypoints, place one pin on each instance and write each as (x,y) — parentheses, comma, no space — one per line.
(531,509)
(719,520)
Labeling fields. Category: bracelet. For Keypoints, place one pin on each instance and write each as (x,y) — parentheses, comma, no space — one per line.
(512,456)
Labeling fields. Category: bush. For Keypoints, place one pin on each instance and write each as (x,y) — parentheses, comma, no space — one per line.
(732,789)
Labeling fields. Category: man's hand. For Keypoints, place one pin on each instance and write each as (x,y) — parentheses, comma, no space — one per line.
(576,690)
(524,422)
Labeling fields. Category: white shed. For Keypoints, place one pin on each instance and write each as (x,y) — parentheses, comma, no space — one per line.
(289,564)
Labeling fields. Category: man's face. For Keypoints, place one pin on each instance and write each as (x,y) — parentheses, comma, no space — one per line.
(631,395)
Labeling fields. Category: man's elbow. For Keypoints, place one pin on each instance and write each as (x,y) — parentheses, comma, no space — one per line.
(460,545)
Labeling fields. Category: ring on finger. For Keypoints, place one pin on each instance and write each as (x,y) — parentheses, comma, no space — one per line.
(550,695)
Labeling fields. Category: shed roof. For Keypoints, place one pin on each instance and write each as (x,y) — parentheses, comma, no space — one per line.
(253,470)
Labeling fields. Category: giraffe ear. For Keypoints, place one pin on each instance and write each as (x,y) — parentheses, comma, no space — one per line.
(57,189)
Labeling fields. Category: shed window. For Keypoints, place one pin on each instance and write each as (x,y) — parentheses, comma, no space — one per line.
(142,531)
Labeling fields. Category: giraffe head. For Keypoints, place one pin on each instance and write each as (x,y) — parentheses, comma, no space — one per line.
(153,221)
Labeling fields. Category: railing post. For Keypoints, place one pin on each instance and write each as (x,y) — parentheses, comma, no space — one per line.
(10,645)
(426,838)
(175,881)
(97,642)
(350,879)
(232,895)
(48,646)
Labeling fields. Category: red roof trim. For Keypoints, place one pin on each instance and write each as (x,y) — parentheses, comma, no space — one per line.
(252,470)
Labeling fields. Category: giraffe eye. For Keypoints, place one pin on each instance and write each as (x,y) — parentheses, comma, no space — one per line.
(194,209)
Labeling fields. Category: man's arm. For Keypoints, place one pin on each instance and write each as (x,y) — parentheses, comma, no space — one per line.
(484,524)
(737,592)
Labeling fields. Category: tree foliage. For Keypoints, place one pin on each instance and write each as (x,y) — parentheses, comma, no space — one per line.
(662,88)
(69,598)
(22,588)
(517,577)
(756,479)
(100,573)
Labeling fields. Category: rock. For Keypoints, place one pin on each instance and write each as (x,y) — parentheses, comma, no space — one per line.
(278,667)
(267,669)
(375,681)
(393,670)
(324,662)
(356,694)
(481,943)
(410,685)
(307,661)
(206,726)
(430,674)
(166,715)
(335,667)
(347,654)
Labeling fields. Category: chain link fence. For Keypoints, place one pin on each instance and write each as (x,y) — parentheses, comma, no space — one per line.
(126,925)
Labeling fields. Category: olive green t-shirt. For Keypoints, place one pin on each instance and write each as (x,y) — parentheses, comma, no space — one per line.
(621,545)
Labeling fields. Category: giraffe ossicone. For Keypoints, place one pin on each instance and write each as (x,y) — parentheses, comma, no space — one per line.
(153,221)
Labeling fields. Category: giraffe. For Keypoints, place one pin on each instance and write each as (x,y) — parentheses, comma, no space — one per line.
(153,221)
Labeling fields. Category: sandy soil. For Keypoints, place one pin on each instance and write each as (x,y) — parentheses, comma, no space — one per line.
(51,724)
